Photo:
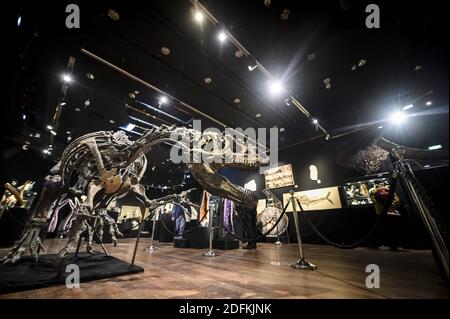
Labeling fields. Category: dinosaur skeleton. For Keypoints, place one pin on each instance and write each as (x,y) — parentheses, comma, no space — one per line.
(106,165)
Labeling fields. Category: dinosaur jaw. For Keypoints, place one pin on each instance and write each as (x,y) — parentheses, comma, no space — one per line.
(218,185)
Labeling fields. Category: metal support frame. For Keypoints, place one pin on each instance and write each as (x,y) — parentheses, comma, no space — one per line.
(152,247)
(210,252)
(302,263)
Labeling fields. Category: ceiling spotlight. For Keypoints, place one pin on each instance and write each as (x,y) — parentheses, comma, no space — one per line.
(237,101)
(49,127)
(132,95)
(53,132)
(327,137)
(222,36)
(112,121)
(275,87)
(311,56)
(90,76)
(207,80)
(24,117)
(429,103)
(380,127)
(315,121)
(410,106)
(434,147)
(199,16)
(285,14)
(418,67)
(67,78)
(19,21)
(239,54)
(87,103)
(327,83)
(165,51)
(163,100)
(258,115)
(362,62)
(398,118)
(251,68)
(63,103)
(25,147)
(282,129)
(113,14)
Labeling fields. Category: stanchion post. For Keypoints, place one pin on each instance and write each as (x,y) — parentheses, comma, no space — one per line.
(152,247)
(302,263)
(210,252)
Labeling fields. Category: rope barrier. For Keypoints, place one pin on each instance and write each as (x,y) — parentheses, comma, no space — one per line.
(387,204)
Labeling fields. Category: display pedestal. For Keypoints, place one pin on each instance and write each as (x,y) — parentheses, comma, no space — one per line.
(225,244)
(181,243)
(198,238)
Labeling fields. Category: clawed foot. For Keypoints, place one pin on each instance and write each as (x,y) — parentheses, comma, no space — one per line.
(30,240)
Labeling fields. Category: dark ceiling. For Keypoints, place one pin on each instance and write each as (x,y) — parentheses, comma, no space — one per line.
(406,63)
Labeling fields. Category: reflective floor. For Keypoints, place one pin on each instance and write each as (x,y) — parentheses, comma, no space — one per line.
(264,273)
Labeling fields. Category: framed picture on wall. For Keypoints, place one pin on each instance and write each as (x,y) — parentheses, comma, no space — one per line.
(277,177)
(316,199)
(356,193)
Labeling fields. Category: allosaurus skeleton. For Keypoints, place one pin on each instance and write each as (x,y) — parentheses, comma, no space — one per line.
(106,165)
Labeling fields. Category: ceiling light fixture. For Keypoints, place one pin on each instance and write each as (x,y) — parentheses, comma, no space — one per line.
(410,106)
(53,132)
(434,147)
(380,127)
(315,121)
(90,76)
(165,51)
(207,80)
(398,118)
(49,127)
(251,68)
(275,87)
(67,78)
(239,54)
(19,21)
(199,16)
(222,36)
(163,100)
(113,14)
(429,103)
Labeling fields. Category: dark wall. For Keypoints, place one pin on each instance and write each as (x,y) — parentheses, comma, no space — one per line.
(15,163)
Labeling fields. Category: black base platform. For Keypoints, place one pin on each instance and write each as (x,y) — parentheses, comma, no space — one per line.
(26,274)
(225,244)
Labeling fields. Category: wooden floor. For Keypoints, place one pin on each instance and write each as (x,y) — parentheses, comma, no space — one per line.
(264,273)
